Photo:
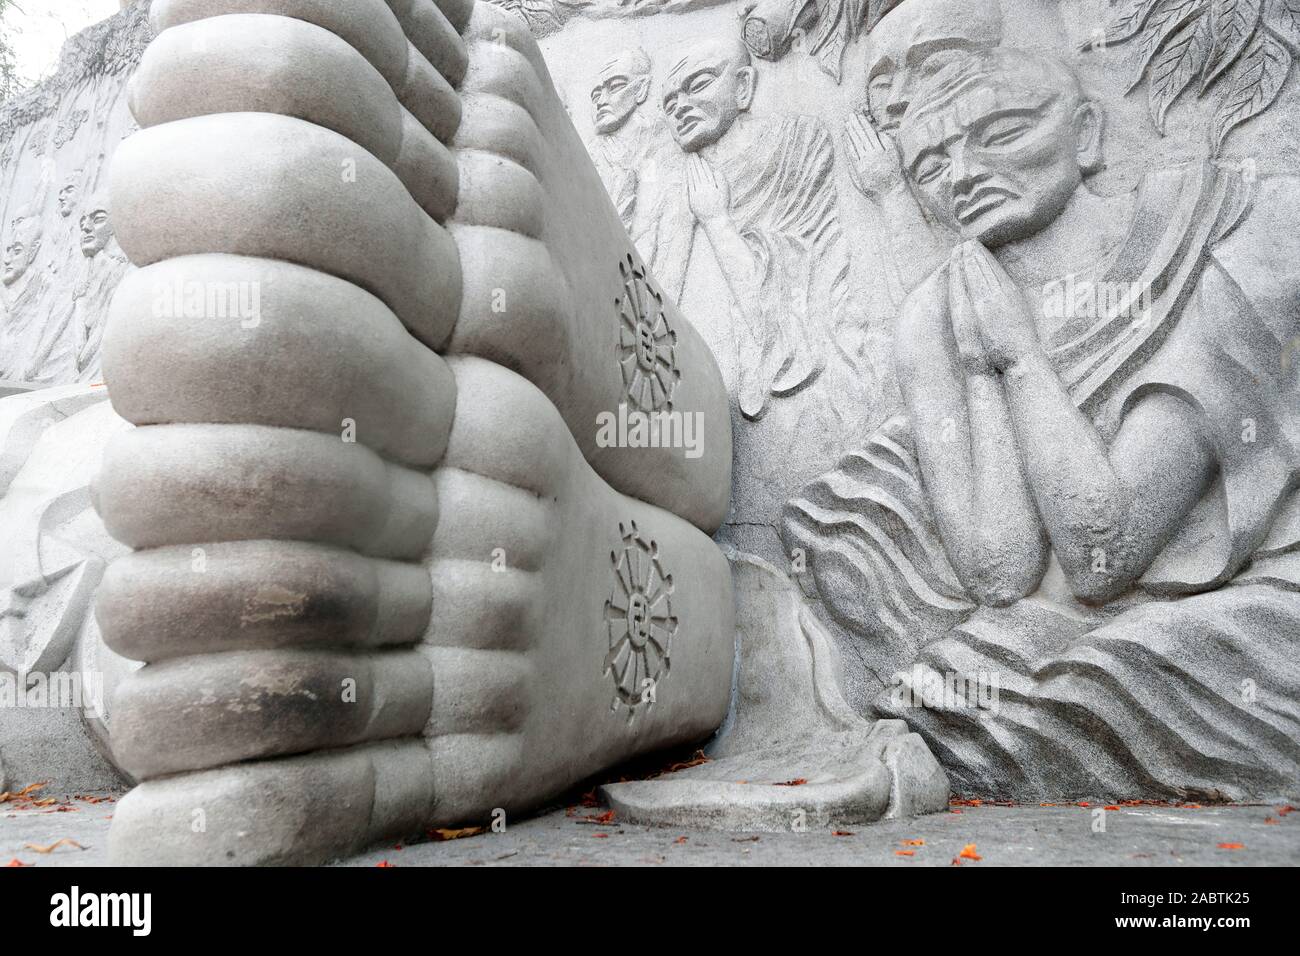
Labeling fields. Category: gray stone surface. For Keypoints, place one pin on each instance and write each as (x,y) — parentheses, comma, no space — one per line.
(60,258)
(983,404)
(1003,836)
(430,580)
(789,723)
(987,391)
(56,676)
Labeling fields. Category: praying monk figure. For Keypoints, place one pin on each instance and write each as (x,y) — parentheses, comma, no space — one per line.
(104,266)
(35,342)
(762,194)
(1092,495)
(641,167)
(913,41)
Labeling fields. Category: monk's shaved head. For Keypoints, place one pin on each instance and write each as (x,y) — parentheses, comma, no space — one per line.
(723,49)
(706,89)
(918,38)
(622,85)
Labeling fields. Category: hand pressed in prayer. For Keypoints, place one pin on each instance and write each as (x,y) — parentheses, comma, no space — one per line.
(707,193)
(1003,319)
(875,167)
(974,358)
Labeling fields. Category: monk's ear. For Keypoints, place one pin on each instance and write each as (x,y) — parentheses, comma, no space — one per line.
(745,80)
(642,89)
(1089,124)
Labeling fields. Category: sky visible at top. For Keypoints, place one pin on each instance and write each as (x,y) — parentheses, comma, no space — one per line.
(37,28)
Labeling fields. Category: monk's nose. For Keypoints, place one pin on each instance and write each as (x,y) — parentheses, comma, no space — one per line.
(898,101)
(961,171)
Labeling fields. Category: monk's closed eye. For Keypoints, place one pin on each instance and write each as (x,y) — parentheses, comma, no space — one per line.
(701,82)
(931,169)
(1002,132)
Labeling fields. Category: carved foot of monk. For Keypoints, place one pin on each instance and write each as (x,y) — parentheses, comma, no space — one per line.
(379,589)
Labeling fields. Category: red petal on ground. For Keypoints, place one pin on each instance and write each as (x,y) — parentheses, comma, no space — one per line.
(904,853)
(796,782)
(1232,846)
(968,852)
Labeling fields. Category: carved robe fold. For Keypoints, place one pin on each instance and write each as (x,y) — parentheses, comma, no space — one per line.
(784,205)
(35,333)
(91,298)
(642,169)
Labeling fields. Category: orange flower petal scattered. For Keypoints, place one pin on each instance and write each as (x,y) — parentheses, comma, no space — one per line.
(54,846)
(442,835)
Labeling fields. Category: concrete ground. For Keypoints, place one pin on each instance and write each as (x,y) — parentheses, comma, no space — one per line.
(1149,835)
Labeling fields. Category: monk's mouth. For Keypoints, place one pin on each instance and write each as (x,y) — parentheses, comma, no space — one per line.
(979,203)
(688,124)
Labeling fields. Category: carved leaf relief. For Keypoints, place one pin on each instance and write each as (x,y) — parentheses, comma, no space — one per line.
(1239,46)
(1254,83)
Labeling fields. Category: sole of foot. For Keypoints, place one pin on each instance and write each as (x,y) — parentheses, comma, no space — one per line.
(562,628)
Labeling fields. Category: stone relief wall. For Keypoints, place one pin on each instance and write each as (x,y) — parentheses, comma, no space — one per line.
(886,209)
(1004,298)
(61,266)
(61,261)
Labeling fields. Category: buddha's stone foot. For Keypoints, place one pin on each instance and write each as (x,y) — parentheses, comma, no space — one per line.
(368,577)
(420,152)
(288,713)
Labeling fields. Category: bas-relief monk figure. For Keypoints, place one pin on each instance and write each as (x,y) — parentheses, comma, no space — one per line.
(912,42)
(762,195)
(34,344)
(641,168)
(68,196)
(104,266)
(1095,503)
